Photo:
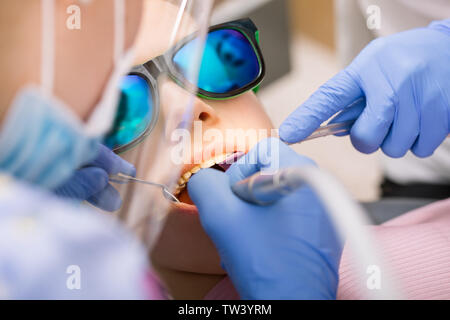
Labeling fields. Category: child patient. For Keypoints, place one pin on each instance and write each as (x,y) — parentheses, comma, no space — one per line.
(416,244)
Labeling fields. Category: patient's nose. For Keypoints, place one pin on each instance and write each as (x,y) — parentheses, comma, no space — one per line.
(204,112)
(175,103)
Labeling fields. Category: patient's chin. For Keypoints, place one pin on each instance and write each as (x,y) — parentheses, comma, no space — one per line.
(184,246)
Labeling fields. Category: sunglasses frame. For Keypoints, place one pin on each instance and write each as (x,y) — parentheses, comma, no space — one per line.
(247,28)
(163,64)
(153,85)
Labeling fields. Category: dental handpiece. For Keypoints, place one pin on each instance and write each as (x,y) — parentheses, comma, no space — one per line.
(347,216)
(121,178)
(266,188)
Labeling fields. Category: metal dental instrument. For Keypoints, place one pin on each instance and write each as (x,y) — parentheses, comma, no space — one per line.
(265,189)
(121,178)
(330,129)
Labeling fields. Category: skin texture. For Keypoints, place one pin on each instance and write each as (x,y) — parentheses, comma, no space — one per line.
(79,77)
(184,256)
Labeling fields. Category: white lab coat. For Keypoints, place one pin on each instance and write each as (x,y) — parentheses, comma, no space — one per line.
(53,249)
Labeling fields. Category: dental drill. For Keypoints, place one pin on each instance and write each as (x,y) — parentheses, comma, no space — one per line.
(348,217)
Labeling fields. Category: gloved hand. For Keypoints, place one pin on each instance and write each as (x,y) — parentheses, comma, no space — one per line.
(287,250)
(91,182)
(402,87)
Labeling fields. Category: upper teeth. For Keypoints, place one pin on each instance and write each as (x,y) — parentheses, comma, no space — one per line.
(181,184)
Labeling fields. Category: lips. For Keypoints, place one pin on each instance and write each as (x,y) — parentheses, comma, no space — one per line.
(221,162)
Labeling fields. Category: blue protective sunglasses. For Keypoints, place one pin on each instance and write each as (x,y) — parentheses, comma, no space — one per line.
(232,64)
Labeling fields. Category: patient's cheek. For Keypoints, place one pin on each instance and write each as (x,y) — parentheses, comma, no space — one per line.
(243,112)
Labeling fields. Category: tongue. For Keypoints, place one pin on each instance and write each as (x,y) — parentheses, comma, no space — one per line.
(230,160)
(184,197)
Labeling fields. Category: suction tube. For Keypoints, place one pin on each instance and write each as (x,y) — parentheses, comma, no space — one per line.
(348,217)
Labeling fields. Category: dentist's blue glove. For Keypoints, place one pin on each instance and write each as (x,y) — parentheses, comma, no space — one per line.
(402,87)
(288,250)
(91,182)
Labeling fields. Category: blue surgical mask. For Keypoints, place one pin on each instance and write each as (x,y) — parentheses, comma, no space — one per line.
(42,141)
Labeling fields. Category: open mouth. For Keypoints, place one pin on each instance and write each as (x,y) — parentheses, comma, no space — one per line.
(221,162)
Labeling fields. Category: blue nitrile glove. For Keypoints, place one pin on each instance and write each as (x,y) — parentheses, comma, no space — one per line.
(91,182)
(288,250)
(403,84)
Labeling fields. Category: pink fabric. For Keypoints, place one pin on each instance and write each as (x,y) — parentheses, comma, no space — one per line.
(224,290)
(417,246)
(153,287)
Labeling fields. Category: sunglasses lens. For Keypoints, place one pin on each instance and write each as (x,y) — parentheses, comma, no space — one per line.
(134,113)
(229,62)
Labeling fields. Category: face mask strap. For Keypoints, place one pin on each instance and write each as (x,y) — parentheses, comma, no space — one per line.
(119,30)
(47,45)
(102,116)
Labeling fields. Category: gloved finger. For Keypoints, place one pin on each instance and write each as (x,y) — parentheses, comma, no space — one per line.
(112,163)
(216,185)
(336,94)
(404,129)
(108,199)
(352,112)
(268,155)
(83,184)
(433,130)
(372,126)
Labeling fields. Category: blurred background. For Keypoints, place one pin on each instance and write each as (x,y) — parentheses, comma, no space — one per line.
(306,42)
